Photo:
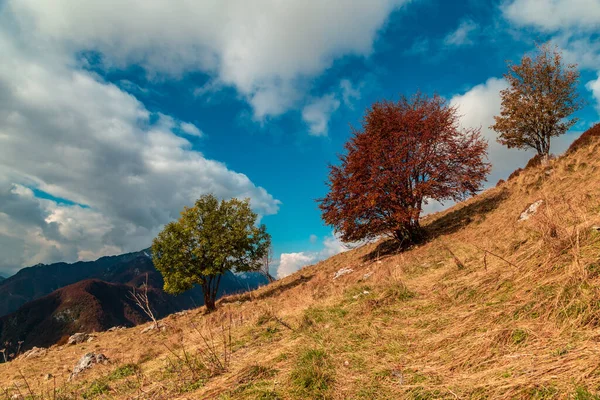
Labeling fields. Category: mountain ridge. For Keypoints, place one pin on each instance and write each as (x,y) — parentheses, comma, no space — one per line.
(46,311)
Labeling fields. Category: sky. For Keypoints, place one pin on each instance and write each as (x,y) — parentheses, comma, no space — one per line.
(114,115)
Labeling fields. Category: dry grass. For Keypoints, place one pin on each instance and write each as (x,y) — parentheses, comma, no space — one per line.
(488,308)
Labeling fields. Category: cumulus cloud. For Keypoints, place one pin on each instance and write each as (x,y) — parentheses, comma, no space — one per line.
(122,170)
(191,129)
(462,36)
(316,114)
(350,92)
(292,262)
(264,48)
(594,87)
(553,15)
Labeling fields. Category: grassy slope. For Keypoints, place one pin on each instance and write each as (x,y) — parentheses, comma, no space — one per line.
(488,308)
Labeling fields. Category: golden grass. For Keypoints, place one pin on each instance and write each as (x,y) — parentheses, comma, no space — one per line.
(488,308)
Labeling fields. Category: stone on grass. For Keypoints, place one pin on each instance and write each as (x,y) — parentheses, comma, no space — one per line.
(78,338)
(87,362)
(35,352)
(116,328)
(342,272)
(531,210)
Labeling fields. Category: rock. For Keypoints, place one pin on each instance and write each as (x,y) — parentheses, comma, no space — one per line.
(367,275)
(346,363)
(78,338)
(152,327)
(48,377)
(596,228)
(531,210)
(182,313)
(35,352)
(396,373)
(342,272)
(87,362)
(116,328)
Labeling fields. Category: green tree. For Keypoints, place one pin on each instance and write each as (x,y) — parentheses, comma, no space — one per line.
(542,94)
(210,238)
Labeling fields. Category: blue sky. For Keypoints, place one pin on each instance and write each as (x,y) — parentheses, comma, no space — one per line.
(117,114)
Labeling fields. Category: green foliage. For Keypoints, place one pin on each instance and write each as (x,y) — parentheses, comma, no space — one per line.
(210,238)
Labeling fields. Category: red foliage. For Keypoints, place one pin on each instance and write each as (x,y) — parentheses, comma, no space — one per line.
(405,154)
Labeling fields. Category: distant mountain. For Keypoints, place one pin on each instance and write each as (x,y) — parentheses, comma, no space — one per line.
(45,303)
(2,278)
(86,306)
(37,281)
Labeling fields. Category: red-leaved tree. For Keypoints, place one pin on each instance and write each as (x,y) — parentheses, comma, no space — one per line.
(406,154)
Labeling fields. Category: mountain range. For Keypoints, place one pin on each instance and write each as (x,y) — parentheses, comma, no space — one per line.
(45,304)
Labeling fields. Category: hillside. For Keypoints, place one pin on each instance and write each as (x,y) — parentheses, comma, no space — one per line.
(488,307)
(96,302)
(86,306)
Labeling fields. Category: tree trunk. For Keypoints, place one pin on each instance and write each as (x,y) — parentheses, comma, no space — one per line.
(209,289)
(409,234)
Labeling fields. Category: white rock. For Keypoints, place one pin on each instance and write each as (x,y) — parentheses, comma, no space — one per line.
(342,272)
(35,352)
(87,362)
(531,210)
(78,338)
(116,328)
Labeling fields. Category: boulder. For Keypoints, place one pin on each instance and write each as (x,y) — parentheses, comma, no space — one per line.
(342,272)
(531,210)
(116,328)
(87,362)
(35,352)
(78,338)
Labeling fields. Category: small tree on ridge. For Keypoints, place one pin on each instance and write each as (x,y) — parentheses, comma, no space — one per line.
(209,239)
(542,94)
(406,154)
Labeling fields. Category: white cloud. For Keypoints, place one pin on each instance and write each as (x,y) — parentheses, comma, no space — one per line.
(462,35)
(191,129)
(317,113)
(580,49)
(594,87)
(350,92)
(553,15)
(69,134)
(292,262)
(266,49)
(313,238)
